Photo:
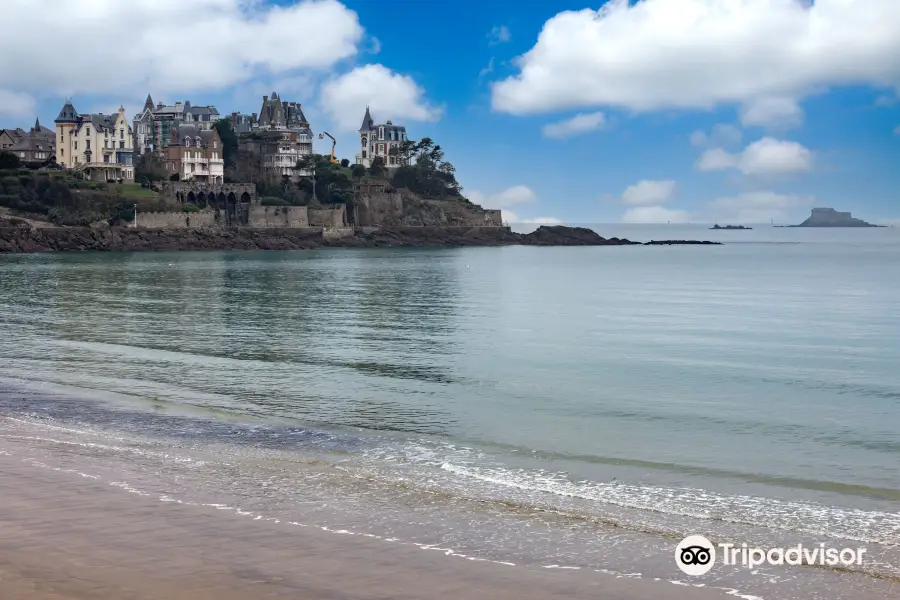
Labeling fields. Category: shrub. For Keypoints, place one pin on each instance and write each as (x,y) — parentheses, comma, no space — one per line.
(274,201)
(190,208)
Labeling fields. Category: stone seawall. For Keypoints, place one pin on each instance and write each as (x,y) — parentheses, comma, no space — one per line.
(278,217)
(176,220)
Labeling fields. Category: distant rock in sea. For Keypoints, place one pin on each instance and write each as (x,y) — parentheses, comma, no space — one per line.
(717,226)
(828,217)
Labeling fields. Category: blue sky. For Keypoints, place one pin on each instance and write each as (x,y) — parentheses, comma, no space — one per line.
(684,112)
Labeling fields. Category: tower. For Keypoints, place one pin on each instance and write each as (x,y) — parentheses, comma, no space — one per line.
(66,123)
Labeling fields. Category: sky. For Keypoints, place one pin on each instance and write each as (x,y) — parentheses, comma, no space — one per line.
(648,111)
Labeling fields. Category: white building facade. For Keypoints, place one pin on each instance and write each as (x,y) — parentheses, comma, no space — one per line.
(382,140)
(100,146)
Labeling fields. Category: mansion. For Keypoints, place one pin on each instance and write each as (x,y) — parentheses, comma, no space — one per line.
(379,140)
(194,154)
(35,146)
(154,126)
(98,145)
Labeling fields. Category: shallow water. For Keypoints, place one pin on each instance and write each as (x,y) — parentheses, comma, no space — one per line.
(582,407)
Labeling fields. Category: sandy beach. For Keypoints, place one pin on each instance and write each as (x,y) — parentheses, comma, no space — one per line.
(66,536)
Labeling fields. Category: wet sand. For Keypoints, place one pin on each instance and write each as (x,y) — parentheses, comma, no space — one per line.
(68,537)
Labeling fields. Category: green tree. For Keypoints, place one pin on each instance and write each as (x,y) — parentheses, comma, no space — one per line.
(331,180)
(8,160)
(148,167)
(376,169)
(345,163)
(229,142)
(357,171)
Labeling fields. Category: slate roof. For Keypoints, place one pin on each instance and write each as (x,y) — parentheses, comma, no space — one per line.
(192,131)
(67,113)
(370,127)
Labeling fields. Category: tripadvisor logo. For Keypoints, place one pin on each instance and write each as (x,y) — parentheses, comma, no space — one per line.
(695,555)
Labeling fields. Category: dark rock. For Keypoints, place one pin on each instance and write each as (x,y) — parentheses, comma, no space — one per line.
(681,243)
(828,217)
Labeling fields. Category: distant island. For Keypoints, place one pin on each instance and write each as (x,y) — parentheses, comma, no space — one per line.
(828,217)
(717,226)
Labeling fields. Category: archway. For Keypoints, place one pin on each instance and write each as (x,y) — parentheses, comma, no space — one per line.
(220,201)
(191,198)
(201,199)
(245,198)
(218,181)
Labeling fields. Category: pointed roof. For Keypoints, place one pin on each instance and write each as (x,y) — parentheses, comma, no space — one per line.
(148,103)
(367,121)
(37,124)
(67,113)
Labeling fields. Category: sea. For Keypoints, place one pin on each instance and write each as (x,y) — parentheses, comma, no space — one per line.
(577,408)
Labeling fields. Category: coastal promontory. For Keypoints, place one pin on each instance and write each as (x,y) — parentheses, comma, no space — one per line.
(828,217)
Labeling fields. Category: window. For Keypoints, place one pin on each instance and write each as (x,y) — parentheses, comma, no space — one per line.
(62,152)
(121,145)
(76,144)
(187,142)
(87,131)
(106,158)
(121,134)
(87,144)
(215,144)
(364,154)
(381,133)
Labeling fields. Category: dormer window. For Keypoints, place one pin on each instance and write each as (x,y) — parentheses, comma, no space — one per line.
(199,142)
(381,133)
(187,142)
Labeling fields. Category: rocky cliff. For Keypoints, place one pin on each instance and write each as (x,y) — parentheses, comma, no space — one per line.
(405,209)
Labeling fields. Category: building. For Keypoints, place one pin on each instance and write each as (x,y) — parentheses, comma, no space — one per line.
(379,140)
(154,125)
(98,145)
(279,134)
(35,146)
(242,123)
(8,137)
(195,154)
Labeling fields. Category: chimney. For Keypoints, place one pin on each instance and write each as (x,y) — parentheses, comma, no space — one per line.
(265,99)
(234,119)
(178,105)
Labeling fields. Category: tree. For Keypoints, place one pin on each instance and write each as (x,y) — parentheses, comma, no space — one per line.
(148,167)
(376,169)
(357,171)
(229,142)
(332,183)
(424,171)
(345,163)
(8,160)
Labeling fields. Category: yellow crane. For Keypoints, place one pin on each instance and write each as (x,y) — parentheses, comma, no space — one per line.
(322,135)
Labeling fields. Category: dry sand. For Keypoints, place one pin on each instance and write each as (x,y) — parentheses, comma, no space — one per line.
(67,537)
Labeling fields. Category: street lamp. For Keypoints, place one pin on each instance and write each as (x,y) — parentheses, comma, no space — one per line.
(135,216)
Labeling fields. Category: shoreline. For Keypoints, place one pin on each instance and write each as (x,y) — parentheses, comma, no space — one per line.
(70,534)
(19,240)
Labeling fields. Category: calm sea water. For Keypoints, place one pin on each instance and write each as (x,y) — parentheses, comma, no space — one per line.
(577,407)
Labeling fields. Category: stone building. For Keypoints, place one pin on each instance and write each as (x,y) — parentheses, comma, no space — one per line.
(195,154)
(279,134)
(35,146)
(153,126)
(379,140)
(99,145)
(8,137)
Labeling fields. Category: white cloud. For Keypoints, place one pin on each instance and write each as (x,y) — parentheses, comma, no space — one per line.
(648,192)
(655,214)
(722,134)
(767,156)
(897,130)
(511,196)
(511,217)
(108,47)
(16,104)
(756,207)
(577,125)
(499,35)
(488,69)
(772,113)
(658,54)
(389,95)
(375,46)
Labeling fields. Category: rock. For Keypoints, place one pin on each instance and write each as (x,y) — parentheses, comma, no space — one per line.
(828,217)
(681,243)
(16,239)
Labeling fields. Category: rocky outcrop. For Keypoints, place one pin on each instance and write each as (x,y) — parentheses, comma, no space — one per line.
(828,217)
(24,239)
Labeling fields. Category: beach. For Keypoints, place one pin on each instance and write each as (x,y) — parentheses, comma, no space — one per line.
(69,535)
